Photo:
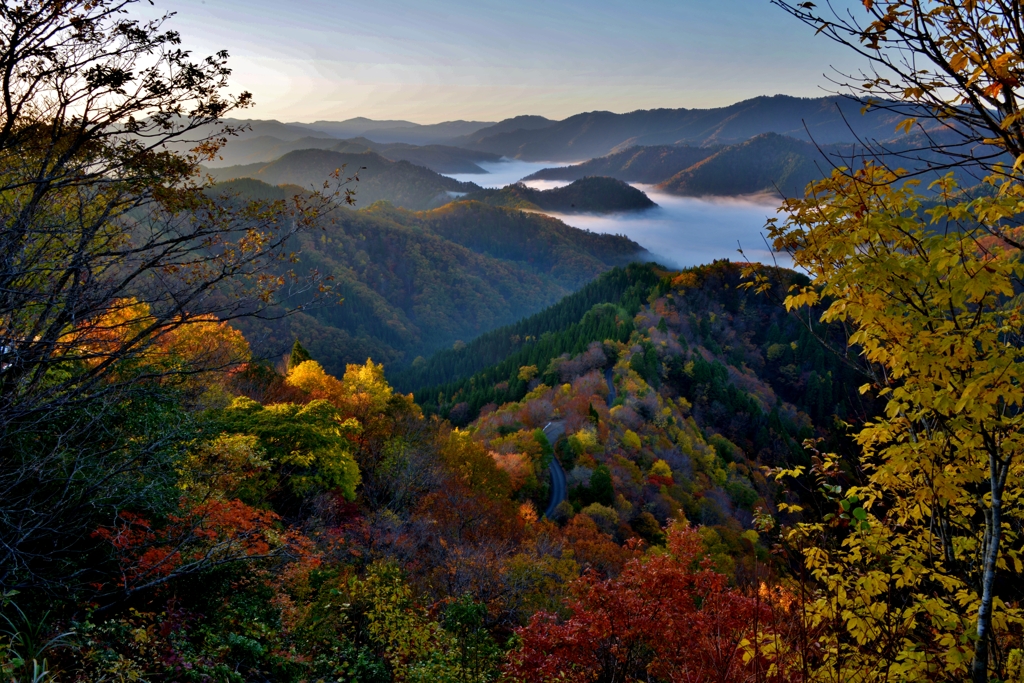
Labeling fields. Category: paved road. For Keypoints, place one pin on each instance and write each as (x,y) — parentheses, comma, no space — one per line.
(553,430)
(559,490)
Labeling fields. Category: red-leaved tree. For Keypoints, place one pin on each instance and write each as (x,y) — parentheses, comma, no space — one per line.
(666,617)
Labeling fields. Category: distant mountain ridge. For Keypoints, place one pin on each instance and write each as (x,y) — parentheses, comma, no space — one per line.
(765,163)
(828,120)
(267,148)
(399,182)
(516,123)
(650,165)
(768,162)
(395,131)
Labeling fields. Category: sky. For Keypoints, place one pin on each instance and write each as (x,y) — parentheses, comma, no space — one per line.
(484,60)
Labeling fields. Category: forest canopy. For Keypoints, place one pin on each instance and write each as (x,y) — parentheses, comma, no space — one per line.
(746,473)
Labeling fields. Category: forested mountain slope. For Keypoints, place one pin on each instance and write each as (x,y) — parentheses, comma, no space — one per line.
(706,312)
(536,242)
(416,282)
(649,165)
(765,163)
(501,352)
(672,389)
(399,182)
(440,158)
(586,195)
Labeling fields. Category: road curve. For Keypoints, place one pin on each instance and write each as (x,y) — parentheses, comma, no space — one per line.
(559,489)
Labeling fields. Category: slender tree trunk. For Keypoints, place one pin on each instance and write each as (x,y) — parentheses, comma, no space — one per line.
(993,534)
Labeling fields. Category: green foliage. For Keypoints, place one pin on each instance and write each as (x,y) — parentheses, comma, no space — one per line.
(29,643)
(298,356)
(601,310)
(601,490)
(306,444)
(412,284)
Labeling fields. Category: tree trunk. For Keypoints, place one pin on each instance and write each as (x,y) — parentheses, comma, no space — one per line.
(990,549)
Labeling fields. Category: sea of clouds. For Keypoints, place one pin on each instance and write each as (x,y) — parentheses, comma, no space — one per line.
(680,232)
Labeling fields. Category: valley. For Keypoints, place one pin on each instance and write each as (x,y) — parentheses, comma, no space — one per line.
(399,381)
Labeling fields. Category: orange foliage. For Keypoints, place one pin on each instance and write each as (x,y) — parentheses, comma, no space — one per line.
(516,465)
(594,549)
(203,535)
(190,343)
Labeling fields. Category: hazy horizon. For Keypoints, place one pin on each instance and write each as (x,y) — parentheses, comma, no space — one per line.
(453,60)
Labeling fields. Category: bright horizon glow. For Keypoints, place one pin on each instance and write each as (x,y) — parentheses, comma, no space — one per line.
(485,60)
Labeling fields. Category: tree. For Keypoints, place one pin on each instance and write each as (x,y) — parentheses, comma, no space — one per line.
(111,242)
(299,355)
(667,617)
(935,315)
(917,562)
(306,445)
(601,489)
(953,70)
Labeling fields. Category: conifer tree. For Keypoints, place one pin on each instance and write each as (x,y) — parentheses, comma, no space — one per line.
(299,355)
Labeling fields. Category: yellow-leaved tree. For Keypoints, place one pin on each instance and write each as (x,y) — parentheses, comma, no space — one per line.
(917,565)
(915,573)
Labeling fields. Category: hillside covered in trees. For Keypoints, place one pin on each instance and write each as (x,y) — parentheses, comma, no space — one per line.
(411,283)
(266,148)
(622,473)
(767,162)
(586,195)
(399,182)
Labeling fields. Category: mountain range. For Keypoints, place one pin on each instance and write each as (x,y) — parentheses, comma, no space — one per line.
(395,131)
(439,158)
(768,162)
(593,134)
(399,182)
(826,120)
(415,282)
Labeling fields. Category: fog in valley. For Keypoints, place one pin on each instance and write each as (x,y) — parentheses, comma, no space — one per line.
(502,173)
(680,232)
(689,231)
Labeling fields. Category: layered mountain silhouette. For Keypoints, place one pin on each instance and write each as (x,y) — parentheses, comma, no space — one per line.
(765,163)
(594,134)
(439,158)
(399,182)
(650,165)
(395,131)
(765,144)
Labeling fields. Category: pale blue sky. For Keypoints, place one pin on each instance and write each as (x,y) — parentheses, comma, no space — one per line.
(430,61)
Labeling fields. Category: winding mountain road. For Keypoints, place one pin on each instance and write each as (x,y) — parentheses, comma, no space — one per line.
(559,489)
(611,387)
(553,430)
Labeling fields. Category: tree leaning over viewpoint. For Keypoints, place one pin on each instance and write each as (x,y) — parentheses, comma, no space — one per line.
(110,241)
(919,565)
